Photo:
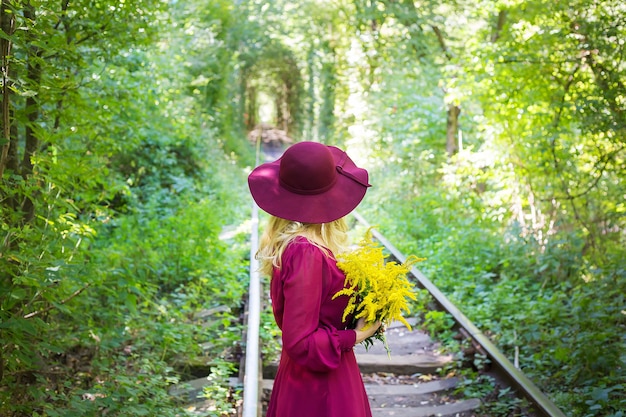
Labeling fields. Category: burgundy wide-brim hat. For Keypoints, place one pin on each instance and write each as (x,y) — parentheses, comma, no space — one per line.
(310,183)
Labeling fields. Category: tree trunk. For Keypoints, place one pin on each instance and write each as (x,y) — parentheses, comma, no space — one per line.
(310,127)
(251,109)
(32,101)
(289,97)
(497,30)
(7,25)
(279,107)
(32,113)
(452,129)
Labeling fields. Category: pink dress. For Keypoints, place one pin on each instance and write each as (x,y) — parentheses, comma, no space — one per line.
(318,375)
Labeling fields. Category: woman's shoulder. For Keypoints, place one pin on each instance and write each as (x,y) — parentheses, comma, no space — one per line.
(301,245)
(303,255)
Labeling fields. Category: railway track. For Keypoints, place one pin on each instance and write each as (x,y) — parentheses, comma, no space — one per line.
(417,380)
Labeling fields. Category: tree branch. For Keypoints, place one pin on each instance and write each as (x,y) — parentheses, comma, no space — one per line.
(498,29)
(52,307)
(442,42)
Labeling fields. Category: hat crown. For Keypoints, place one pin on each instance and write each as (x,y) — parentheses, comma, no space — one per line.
(307,168)
(310,183)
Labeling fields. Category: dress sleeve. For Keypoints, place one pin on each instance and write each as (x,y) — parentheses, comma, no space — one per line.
(307,341)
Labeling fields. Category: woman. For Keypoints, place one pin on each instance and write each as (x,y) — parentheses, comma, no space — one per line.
(308,191)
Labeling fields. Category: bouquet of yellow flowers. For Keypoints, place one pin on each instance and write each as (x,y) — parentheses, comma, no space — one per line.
(378,290)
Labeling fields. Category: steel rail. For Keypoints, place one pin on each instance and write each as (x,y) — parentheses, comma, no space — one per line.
(252,387)
(513,375)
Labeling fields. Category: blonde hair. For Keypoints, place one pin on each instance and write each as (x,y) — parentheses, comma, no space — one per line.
(331,237)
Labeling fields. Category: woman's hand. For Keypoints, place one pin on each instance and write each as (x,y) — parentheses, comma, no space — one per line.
(362,334)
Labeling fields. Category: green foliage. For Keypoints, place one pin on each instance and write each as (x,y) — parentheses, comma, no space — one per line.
(515,226)
(500,402)
(111,224)
(270,337)
(123,159)
(219,393)
(438,324)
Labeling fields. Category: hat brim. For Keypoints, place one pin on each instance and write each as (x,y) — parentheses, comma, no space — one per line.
(335,203)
